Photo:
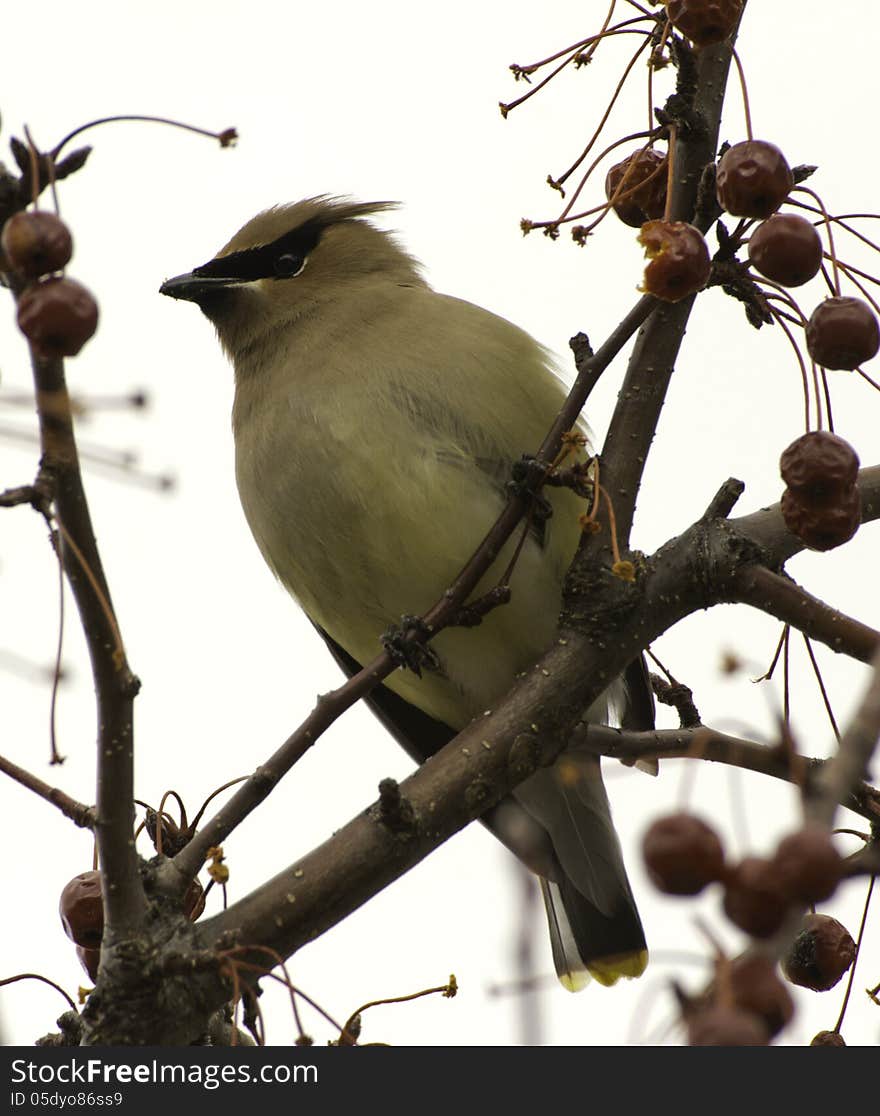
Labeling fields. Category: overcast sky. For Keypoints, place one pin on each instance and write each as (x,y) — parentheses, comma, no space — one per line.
(391,101)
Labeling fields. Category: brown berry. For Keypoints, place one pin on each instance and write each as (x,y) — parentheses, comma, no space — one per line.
(90,959)
(819,468)
(723,1025)
(820,954)
(753,179)
(639,200)
(704,22)
(36,243)
(754,897)
(81,907)
(842,333)
(679,258)
(828,1038)
(757,988)
(57,316)
(822,528)
(682,854)
(787,249)
(810,863)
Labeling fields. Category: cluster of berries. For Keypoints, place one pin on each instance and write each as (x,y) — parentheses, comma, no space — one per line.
(55,313)
(821,503)
(683,855)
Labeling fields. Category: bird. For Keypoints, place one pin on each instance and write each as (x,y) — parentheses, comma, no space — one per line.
(376,422)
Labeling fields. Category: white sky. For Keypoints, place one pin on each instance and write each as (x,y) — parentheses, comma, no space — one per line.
(390,101)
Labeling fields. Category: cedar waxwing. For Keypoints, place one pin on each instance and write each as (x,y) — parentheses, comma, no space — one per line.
(376,423)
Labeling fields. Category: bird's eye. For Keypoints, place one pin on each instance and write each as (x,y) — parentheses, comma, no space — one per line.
(288,265)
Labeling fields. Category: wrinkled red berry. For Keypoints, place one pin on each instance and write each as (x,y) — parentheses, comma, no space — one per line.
(722,1025)
(753,179)
(682,854)
(36,243)
(704,22)
(820,954)
(787,249)
(57,316)
(819,467)
(810,864)
(842,333)
(679,259)
(754,897)
(757,988)
(822,527)
(82,910)
(640,200)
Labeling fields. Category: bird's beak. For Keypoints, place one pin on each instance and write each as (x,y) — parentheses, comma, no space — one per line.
(192,287)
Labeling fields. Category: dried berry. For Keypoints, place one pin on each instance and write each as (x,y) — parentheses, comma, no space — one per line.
(754,897)
(787,249)
(704,22)
(810,863)
(643,200)
(753,179)
(82,910)
(820,954)
(757,988)
(90,959)
(57,316)
(679,258)
(822,528)
(36,243)
(819,468)
(722,1025)
(682,854)
(828,1038)
(842,333)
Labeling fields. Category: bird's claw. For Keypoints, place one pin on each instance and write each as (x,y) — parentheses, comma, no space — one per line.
(410,653)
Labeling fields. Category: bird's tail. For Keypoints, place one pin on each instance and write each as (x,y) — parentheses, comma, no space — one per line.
(594,923)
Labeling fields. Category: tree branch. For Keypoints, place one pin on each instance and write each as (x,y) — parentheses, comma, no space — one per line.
(81,815)
(115,685)
(784,599)
(704,743)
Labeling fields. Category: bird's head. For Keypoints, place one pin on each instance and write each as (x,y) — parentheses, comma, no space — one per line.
(289,263)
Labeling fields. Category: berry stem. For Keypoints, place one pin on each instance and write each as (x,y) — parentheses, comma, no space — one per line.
(598,131)
(745,92)
(831,252)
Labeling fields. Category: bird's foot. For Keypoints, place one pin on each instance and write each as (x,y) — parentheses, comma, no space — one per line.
(526,476)
(410,653)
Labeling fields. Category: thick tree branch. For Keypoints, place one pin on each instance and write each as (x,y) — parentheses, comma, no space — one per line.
(527,729)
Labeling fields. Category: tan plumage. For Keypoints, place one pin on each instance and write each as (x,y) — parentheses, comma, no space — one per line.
(376,422)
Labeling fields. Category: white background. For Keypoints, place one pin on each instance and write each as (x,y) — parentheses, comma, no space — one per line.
(392,100)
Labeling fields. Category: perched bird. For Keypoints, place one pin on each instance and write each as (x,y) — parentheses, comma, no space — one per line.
(376,423)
